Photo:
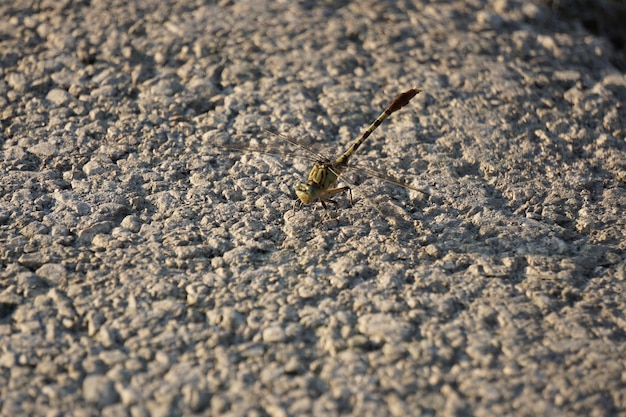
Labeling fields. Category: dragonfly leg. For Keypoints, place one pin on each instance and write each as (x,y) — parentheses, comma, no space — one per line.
(333,191)
(325,200)
(337,191)
(297,205)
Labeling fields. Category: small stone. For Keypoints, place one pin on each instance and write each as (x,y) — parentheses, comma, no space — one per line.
(488,20)
(100,241)
(8,360)
(30,281)
(274,334)
(195,398)
(130,396)
(106,336)
(87,234)
(33,260)
(58,96)
(139,411)
(432,250)
(99,390)
(131,223)
(532,11)
(43,149)
(16,81)
(34,228)
(384,327)
(52,272)
(94,167)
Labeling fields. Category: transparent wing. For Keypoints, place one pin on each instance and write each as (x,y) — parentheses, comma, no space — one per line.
(385,177)
(353,166)
(308,148)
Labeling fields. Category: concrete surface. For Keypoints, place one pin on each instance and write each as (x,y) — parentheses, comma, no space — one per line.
(148,267)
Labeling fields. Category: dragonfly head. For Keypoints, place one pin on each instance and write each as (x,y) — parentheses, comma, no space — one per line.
(307,192)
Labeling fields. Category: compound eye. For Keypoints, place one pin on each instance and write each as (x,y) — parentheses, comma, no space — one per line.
(306,193)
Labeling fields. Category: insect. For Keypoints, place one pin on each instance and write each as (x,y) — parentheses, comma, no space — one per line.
(321,181)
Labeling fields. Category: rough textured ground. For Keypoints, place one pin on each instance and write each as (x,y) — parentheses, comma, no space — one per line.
(145,270)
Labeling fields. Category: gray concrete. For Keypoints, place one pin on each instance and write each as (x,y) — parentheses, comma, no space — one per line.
(149,267)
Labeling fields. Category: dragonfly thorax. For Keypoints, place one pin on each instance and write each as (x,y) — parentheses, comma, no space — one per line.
(321,178)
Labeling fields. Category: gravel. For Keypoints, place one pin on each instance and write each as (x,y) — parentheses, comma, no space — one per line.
(152,263)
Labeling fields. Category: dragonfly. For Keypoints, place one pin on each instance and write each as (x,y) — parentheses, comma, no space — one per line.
(323,176)
(321,182)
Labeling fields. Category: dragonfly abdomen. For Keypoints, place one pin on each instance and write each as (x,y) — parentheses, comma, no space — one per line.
(399,102)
